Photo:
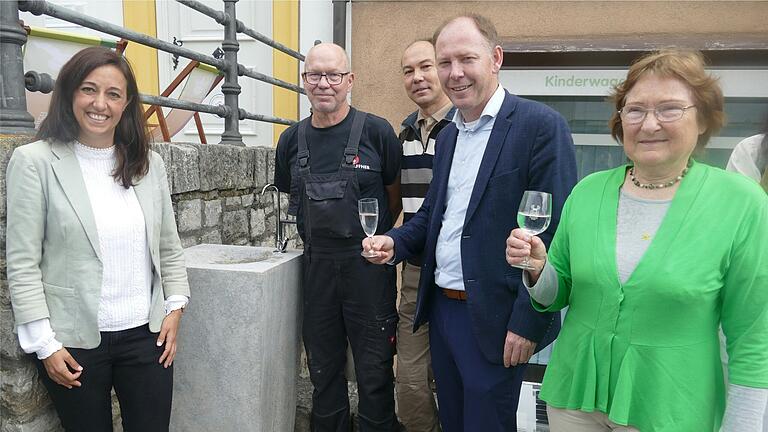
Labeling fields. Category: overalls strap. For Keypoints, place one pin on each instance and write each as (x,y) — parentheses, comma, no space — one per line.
(353,144)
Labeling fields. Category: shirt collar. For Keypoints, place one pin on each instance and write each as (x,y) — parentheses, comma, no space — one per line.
(442,112)
(490,111)
(436,116)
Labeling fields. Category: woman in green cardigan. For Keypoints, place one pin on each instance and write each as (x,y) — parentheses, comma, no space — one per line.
(650,259)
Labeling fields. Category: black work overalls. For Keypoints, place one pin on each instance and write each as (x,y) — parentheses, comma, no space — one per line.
(345,297)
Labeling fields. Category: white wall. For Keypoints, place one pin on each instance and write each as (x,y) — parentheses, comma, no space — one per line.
(315,23)
(106,10)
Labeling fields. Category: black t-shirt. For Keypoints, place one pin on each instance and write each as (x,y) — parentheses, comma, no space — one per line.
(378,166)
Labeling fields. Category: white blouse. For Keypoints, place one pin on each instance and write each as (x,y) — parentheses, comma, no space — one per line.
(744,157)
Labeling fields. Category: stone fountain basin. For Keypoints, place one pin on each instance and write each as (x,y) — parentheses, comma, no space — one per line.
(238,258)
(238,351)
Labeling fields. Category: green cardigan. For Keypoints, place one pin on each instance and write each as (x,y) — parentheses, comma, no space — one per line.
(647,352)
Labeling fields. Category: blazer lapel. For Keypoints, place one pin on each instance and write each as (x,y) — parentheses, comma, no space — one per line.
(70,177)
(496,141)
(440,176)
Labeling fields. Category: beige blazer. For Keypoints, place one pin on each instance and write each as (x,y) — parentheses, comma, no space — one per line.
(53,254)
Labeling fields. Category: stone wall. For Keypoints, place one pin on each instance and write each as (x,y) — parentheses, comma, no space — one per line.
(24,403)
(216,193)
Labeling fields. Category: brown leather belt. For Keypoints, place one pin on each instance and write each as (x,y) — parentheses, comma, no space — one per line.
(454,294)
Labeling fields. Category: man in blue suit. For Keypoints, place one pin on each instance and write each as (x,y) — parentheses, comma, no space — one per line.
(482,326)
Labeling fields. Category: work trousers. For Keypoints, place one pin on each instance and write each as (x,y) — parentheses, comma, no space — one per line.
(415,401)
(128,361)
(348,298)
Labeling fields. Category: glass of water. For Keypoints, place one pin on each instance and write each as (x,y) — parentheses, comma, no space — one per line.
(533,217)
(368,208)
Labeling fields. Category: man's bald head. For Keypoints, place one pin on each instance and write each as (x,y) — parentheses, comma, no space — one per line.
(328,94)
(327,52)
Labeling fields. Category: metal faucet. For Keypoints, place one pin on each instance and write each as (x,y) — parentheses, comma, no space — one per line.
(281,243)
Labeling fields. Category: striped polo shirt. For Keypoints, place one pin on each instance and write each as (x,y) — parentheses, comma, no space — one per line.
(416,166)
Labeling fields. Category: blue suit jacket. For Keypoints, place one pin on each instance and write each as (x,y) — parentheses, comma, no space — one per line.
(530,148)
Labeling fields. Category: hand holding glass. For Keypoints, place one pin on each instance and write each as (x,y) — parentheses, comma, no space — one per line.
(369,219)
(533,217)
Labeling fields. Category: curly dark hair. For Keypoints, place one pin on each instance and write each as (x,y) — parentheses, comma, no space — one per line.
(131,137)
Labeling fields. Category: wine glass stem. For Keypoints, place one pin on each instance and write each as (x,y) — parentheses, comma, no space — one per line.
(526,261)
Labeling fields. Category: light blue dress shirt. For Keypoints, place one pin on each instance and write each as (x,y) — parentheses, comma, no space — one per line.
(470,148)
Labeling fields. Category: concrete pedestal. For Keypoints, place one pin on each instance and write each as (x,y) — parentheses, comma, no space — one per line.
(239,341)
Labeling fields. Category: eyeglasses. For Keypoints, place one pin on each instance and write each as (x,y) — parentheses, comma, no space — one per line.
(664,113)
(333,78)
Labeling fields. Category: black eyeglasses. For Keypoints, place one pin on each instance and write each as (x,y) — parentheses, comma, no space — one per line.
(664,113)
(333,78)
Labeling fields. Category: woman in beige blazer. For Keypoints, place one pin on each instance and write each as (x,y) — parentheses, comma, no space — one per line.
(95,266)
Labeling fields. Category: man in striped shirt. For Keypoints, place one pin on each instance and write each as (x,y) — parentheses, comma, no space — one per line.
(416,404)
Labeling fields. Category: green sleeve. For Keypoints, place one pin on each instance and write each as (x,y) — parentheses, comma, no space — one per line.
(559,257)
(745,300)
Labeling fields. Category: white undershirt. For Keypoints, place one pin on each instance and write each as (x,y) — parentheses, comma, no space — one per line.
(127,266)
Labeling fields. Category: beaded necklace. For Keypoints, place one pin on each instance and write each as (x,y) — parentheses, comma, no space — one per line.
(637,183)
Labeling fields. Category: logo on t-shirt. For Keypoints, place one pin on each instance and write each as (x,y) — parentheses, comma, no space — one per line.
(358,165)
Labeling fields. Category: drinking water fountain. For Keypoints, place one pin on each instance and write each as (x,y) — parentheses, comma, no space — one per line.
(281,241)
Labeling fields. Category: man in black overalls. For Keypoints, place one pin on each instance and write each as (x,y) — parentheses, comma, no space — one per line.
(328,162)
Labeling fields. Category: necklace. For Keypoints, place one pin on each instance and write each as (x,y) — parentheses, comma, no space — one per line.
(657,185)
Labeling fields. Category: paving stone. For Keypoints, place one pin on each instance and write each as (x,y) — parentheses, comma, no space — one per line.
(226,167)
(189,215)
(259,228)
(262,174)
(247,200)
(7,144)
(5,295)
(234,228)
(9,342)
(188,241)
(23,396)
(211,213)
(185,168)
(211,237)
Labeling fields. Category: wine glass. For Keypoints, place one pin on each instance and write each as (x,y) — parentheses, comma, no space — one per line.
(533,217)
(368,208)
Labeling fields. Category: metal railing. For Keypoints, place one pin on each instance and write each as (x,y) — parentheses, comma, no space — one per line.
(12,36)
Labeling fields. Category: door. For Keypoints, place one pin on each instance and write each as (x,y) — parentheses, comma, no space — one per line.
(200,33)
